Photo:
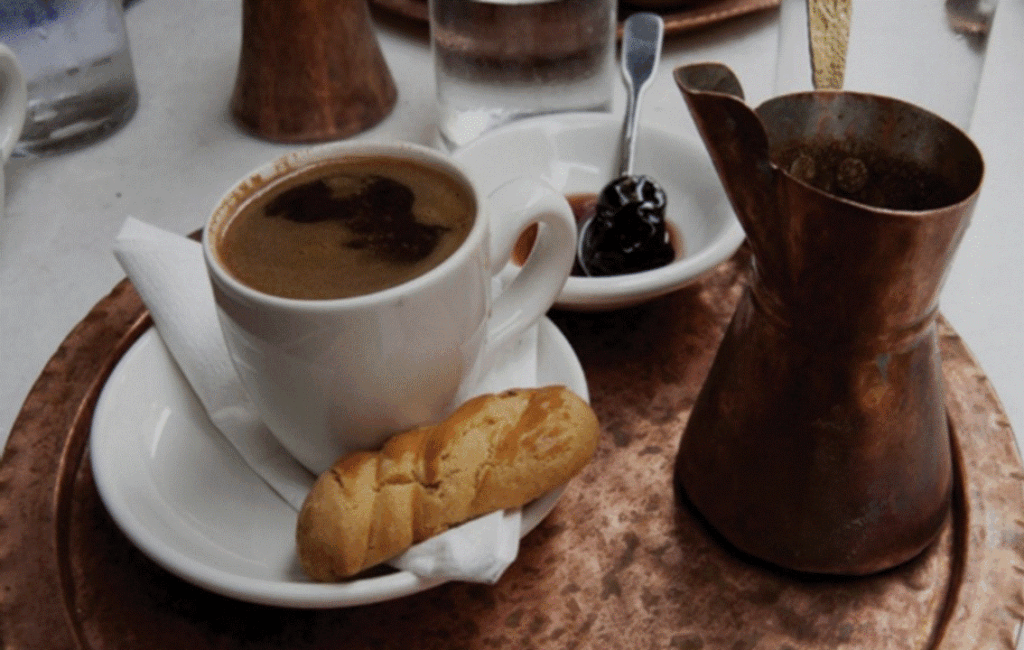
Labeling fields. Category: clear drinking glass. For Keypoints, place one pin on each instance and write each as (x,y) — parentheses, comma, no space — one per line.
(76,59)
(500,60)
(927,52)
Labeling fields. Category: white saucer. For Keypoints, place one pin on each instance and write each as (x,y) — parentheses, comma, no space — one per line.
(181,493)
(577,152)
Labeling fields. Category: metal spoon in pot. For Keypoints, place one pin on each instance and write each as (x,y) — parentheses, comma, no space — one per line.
(627,232)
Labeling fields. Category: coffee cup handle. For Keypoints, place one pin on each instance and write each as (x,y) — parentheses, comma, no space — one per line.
(12,101)
(514,207)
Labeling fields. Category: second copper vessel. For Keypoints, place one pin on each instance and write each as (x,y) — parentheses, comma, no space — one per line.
(310,71)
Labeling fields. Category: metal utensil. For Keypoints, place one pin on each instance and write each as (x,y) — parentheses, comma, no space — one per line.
(627,233)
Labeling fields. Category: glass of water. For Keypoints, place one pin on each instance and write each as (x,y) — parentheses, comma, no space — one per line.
(81,82)
(500,60)
(927,52)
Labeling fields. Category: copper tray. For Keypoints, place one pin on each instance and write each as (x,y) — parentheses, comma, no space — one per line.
(679,17)
(616,565)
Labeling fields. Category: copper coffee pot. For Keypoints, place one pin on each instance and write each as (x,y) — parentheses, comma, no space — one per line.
(819,441)
(310,71)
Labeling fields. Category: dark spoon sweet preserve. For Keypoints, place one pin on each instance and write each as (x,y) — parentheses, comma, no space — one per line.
(627,233)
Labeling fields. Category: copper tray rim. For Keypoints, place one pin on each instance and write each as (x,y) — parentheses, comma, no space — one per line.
(989,614)
(678,19)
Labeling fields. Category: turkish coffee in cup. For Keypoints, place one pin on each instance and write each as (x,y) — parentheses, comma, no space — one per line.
(347,228)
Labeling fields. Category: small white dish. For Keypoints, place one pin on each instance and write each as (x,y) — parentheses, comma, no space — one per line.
(578,152)
(182,494)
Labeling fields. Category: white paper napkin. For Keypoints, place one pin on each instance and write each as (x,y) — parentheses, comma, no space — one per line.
(169,273)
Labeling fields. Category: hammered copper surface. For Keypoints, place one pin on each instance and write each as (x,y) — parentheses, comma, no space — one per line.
(616,565)
(310,71)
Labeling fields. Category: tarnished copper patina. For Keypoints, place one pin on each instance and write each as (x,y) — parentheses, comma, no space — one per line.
(310,71)
(819,441)
(615,566)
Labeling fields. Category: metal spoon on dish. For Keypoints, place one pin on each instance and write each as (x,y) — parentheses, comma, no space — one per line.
(627,232)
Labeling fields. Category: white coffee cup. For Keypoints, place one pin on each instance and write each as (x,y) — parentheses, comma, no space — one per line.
(12,109)
(330,376)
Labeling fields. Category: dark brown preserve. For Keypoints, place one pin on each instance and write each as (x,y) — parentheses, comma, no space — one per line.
(584,205)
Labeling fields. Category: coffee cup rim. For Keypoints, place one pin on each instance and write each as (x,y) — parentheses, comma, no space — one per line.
(274,170)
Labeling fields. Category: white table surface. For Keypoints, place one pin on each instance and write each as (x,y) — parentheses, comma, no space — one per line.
(171,163)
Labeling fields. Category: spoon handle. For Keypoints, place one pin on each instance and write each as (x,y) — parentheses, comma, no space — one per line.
(828,22)
(641,51)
